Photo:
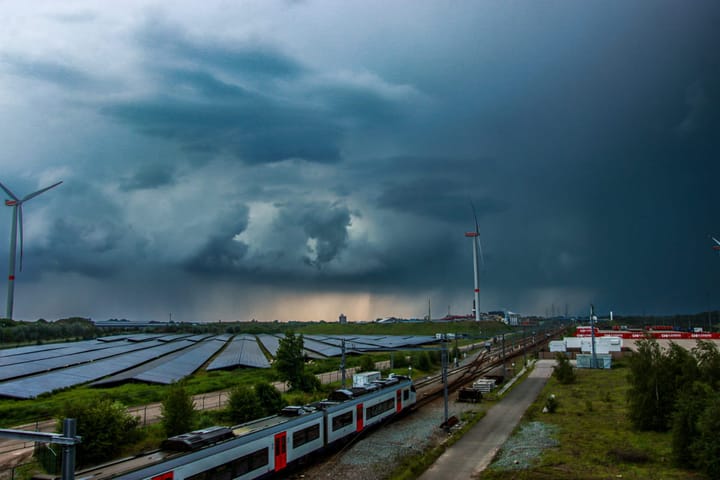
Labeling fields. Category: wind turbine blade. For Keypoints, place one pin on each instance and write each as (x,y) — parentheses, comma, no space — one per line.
(482,258)
(20,221)
(477,228)
(35,194)
(7,190)
(477,231)
(716,240)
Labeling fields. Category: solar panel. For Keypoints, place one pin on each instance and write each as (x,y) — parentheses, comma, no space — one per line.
(7,352)
(46,364)
(170,368)
(201,337)
(312,342)
(242,351)
(31,387)
(174,336)
(64,350)
(272,342)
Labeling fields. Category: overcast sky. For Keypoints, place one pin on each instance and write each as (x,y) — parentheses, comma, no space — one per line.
(294,160)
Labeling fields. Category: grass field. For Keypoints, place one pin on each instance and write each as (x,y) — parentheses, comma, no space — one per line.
(595,438)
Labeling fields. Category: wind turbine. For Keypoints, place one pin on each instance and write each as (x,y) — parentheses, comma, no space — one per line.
(476,246)
(16,204)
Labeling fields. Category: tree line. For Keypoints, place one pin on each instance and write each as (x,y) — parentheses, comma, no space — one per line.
(678,391)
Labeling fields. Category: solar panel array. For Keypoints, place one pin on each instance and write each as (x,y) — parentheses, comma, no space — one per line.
(170,368)
(32,386)
(157,358)
(64,361)
(243,351)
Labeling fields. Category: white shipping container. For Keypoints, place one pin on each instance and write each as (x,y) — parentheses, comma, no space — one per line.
(572,342)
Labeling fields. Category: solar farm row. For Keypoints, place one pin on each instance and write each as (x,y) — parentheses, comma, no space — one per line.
(28,372)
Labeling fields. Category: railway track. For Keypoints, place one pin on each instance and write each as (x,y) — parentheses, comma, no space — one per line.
(431,387)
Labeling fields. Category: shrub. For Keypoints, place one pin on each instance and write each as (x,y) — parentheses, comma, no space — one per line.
(178,411)
(270,399)
(563,371)
(243,405)
(103,425)
(551,404)
(366,363)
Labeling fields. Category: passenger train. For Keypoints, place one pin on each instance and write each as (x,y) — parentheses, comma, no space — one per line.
(264,447)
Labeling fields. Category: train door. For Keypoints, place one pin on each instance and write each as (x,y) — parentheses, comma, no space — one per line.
(360,418)
(398,401)
(164,476)
(280,451)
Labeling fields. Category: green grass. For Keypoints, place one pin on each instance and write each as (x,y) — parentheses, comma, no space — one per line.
(596,439)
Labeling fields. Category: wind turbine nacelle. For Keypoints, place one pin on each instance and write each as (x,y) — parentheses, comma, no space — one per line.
(472,234)
(716,247)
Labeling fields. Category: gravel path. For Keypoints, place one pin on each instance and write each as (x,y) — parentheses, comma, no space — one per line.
(372,457)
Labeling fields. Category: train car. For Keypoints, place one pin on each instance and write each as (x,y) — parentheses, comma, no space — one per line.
(267,446)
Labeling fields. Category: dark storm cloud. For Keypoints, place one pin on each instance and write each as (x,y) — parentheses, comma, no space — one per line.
(54,72)
(248,127)
(222,253)
(446,199)
(91,241)
(327,225)
(206,102)
(163,41)
(150,176)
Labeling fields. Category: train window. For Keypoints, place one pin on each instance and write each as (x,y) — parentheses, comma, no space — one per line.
(381,407)
(238,467)
(301,437)
(222,472)
(342,421)
(406,394)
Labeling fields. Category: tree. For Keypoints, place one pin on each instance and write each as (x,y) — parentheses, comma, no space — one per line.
(649,399)
(424,363)
(270,399)
(178,411)
(290,361)
(706,447)
(690,405)
(244,405)
(366,363)
(103,426)
(563,371)
(309,383)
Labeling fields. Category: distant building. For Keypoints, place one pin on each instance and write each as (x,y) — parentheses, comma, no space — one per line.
(512,318)
(343,319)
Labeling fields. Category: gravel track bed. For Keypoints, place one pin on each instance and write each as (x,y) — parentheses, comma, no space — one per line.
(373,456)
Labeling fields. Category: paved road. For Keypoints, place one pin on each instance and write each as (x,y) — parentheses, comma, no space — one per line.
(476,449)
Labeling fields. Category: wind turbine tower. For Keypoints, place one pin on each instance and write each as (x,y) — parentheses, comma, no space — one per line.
(16,204)
(476,242)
